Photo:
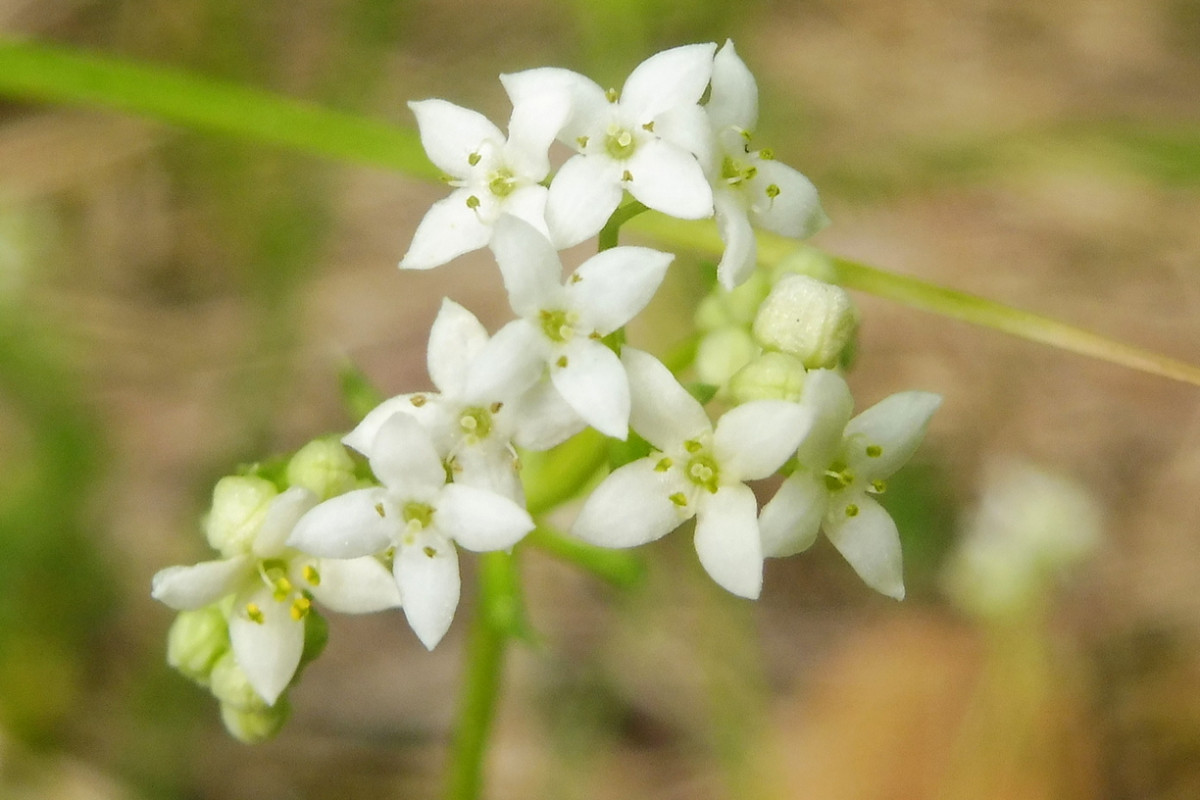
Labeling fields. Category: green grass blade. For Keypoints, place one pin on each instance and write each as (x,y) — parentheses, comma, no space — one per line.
(63,75)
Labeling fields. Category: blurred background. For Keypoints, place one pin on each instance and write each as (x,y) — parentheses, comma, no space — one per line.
(173,304)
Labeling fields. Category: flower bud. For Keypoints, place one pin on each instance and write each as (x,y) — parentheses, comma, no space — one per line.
(323,467)
(230,684)
(196,640)
(771,376)
(239,505)
(807,318)
(723,352)
(255,726)
(724,307)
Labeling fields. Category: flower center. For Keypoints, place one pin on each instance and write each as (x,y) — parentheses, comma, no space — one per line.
(838,477)
(475,423)
(502,182)
(558,325)
(274,574)
(736,172)
(619,143)
(702,468)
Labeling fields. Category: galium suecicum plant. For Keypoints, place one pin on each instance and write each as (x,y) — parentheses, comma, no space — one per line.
(439,471)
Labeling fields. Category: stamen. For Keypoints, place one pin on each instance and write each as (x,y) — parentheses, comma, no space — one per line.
(418,400)
(311,575)
(283,587)
(380,510)
(429,551)
(561,362)
(649,126)
(874,451)
(627,176)
(582,141)
(611,95)
(472,202)
(473,159)
(255,613)
(300,607)
(663,465)
(679,499)
(879,487)
(852,510)
(773,191)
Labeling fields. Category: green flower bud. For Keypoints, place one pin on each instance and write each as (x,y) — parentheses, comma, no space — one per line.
(239,505)
(722,307)
(196,640)
(230,685)
(809,319)
(722,353)
(805,261)
(323,467)
(255,726)
(771,376)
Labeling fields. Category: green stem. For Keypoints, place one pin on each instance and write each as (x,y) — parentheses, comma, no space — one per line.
(497,614)
(618,567)
(612,229)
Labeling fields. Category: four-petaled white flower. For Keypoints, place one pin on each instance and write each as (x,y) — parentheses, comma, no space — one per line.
(421,516)
(839,466)
(645,139)
(272,585)
(560,326)
(749,186)
(474,432)
(697,471)
(492,175)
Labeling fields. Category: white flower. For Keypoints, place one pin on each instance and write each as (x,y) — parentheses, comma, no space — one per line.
(492,175)
(271,585)
(560,325)
(474,433)
(840,465)
(696,471)
(748,185)
(645,139)
(420,515)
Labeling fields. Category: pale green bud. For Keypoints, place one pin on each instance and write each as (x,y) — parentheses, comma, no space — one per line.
(239,505)
(257,725)
(230,684)
(196,640)
(323,467)
(722,353)
(723,307)
(771,376)
(809,319)
(805,261)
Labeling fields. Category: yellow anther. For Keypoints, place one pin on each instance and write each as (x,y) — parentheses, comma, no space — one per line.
(311,576)
(283,587)
(611,95)
(418,400)
(495,407)
(627,176)
(879,487)
(561,362)
(679,499)
(472,202)
(649,126)
(429,551)
(663,465)
(255,613)
(576,277)
(582,141)
(773,191)
(473,159)
(766,154)
(874,451)
(692,446)
(852,510)
(300,607)
(380,510)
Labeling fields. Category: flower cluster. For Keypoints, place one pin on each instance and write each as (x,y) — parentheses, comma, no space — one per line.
(440,470)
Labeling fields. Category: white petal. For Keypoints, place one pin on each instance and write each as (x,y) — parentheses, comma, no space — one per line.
(669,179)
(741,249)
(355,585)
(450,134)
(428,409)
(346,526)
(455,339)
(662,411)
(896,425)
(267,651)
(870,542)
(632,506)
(542,418)
(789,523)
(404,459)
(509,364)
(733,101)
(610,288)
(583,195)
(586,99)
(489,465)
(826,393)
(528,203)
(529,263)
(754,439)
(282,515)
(671,78)
(195,586)
(429,587)
(536,121)
(481,520)
(449,229)
(594,384)
(688,127)
(727,540)
(795,210)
